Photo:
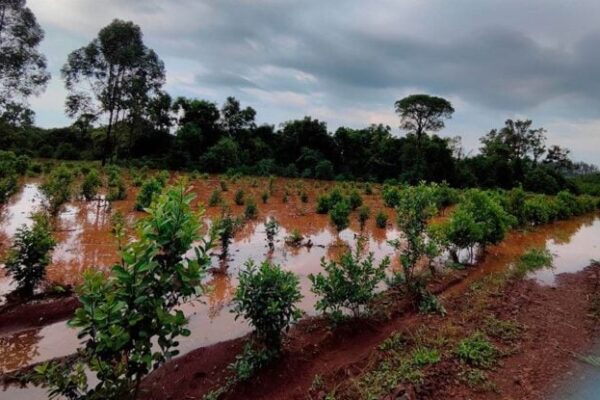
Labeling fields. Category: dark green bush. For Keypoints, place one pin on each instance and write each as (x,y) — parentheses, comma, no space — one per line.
(30,255)
(148,192)
(266,297)
(348,284)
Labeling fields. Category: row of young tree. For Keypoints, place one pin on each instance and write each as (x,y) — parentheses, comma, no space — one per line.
(129,321)
(121,113)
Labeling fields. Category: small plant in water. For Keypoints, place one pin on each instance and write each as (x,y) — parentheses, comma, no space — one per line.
(239,197)
(30,255)
(90,185)
(295,238)
(251,211)
(363,216)
(381,220)
(215,198)
(57,188)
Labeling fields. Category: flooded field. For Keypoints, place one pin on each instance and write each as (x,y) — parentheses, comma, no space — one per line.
(83,232)
(85,241)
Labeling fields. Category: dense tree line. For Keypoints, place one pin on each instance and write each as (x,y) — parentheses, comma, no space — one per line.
(121,114)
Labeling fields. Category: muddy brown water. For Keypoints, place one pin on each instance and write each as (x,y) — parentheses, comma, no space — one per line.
(85,241)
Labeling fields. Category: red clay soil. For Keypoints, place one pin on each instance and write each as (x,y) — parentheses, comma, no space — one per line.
(38,312)
(556,321)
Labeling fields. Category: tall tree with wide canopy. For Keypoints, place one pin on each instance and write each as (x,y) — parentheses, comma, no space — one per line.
(113,76)
(22,67)
(422,113)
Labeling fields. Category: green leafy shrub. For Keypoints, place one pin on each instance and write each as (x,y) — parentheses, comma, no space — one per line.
(531,260)
(30,255)
(215,198)
(348,284)
(266,297)
(148,192)
(381,220)
(364,213)
(295,238)
(339,215)
(226,227)
(90,185)
(391,196)
(415,206)
(355,200)
(538,210)
(368,189)
(58,188)
(265,197)
(8,175)
(477,351)
(117,190)
(239,197)
(493,220)
(131,320)
(223,185)
(251,210)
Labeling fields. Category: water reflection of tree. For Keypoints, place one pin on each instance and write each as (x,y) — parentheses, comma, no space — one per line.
(220,292)
(19,349)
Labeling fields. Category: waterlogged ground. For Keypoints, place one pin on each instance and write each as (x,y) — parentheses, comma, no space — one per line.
(85,241)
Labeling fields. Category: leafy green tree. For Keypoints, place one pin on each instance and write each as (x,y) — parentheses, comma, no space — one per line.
(422,113)
(22,67)
(415,206)
(130,321)
(266,297)
(348,284)
(30,255)
(110,75)
(487,212)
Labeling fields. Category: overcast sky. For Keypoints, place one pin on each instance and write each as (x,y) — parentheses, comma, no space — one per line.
(346,62)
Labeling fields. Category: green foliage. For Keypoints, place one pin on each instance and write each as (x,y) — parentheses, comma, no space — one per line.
(58,188)
(477,351)
(116,184)
(150,190)
(423,356)
(215,198)
(225,228)
(487,212)
(462,231)
(8,175)
(251,210)
(368,189)
(29,254)
(130,321)
(295,238)
(348,284)
(90,185)
(364,213)
(239,197)
(538,210)
(415,206)
(516,205)
(266,297)
(391,196)
(264,197)
(339,215)
(381,220)
(355,199)
(533,259)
